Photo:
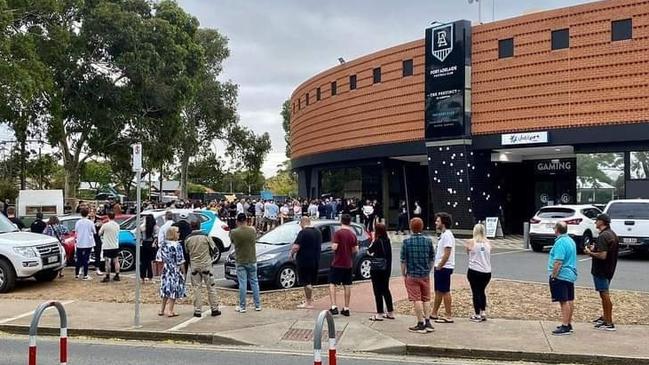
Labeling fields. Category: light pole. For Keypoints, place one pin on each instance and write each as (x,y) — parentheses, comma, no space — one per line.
(479,10)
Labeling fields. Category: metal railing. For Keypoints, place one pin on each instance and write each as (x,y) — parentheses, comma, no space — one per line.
(317,338)
(63,342)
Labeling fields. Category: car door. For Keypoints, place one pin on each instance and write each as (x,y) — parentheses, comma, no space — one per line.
(326,253)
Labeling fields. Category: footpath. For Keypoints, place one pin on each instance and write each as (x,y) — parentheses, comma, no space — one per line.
(496,339)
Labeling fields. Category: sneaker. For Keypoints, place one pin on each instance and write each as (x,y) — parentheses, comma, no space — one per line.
(105,279)
(76,277)
(216,312)
(87,278)
(569,327)
(116,278)
(258,309)
(334,311)
(345,312)
(419,328)
(562,331)
(606,327)
(240,310)
(429,327)
(475,318)
(99,273)
(599,320)
(198,314)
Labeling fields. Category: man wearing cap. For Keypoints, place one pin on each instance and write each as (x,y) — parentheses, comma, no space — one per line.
(604,254)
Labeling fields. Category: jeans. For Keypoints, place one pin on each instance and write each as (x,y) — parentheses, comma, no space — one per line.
(83,256)
(147,256)
(478,281)
(403,223)
(247,273)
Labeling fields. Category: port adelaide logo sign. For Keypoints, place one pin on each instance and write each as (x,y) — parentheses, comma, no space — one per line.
(442,41)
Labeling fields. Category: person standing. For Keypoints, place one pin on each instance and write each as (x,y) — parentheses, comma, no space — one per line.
(381,252)
(244,239)
(200,248)
(162,232)
(444,266)
(109,233)
(58,231)
(604,254)
(479,273)
(184,230)
(259,215)
(306,250)
(172,281)
(149,231)
(38,226)
(92,215)
(313,210)
(297,210)
(417,254)
(11,214)
(417,211)
(240,207)
(403,218)
(562,269)
(117,209)
(368,216)
(85,231)
(345,246)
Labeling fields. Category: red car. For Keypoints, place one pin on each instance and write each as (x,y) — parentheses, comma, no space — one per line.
(70,239)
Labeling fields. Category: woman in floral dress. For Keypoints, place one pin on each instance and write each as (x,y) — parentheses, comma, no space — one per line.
(172,281)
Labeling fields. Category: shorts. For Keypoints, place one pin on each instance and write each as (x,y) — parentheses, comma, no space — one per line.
(111,254)
(308,274)
(443,280)
(418,289)
(561,290)
(601,283)
(339,275)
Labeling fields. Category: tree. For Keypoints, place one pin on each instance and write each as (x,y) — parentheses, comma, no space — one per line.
(97,174)
(286,124)
(248,152)
(207,171)
(284,182)
(42,169)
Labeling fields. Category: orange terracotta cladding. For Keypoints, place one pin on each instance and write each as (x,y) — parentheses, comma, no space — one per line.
(593,82)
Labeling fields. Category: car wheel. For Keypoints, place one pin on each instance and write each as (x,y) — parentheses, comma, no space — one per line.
(287,277)
(45,276)
(586,241)
(126,259)
(216,257)
(7,276)
(536,247)
(364,267)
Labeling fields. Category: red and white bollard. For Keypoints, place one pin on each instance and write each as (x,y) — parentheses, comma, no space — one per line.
(63,341)
(317,338)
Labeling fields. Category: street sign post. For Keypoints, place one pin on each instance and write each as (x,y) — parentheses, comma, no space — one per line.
(137,168)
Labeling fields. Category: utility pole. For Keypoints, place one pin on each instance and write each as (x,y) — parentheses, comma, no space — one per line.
(137,168)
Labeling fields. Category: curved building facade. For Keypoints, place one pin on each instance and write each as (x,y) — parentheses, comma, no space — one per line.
(492,120)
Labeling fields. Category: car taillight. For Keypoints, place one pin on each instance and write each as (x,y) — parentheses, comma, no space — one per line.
(226,228)
(535,221)
(574,221)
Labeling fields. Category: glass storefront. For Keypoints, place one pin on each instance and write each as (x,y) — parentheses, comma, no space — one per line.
(600,177)
(639,168)
(345,183)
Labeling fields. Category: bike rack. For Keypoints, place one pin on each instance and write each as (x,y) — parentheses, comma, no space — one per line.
(63,343)
(317,338)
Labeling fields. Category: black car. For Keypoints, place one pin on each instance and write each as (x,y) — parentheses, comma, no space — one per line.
(274,266)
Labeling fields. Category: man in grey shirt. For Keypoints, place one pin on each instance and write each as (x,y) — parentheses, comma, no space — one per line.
(85,231)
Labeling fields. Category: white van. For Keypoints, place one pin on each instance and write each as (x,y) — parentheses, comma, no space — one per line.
(48,202)
(630,221)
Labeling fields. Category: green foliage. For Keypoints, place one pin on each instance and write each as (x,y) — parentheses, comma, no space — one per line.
(207,171)
(97,172)
(248,152)
(286,125)
(284,182)
(8,190)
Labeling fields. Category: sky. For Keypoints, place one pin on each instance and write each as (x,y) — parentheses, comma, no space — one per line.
(276,45)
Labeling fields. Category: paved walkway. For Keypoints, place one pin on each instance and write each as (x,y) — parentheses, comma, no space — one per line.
(292,330)
(510,242)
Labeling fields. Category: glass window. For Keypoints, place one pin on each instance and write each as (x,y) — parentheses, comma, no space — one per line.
(333,88)
(6,225)
(639,168)
(560,39)
(326,234)
(407,68)
(352,82)
(307,98)
(591,213)
(621,30)
(623,210)
(282,235)
(600,177)
(317,94)
(344,183)
(377,75)
(299,104)
(555,213)
(506,48)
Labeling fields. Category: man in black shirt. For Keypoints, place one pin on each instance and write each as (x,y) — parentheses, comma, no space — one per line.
(604,254)
(306,251)
(11,214)
(38,226)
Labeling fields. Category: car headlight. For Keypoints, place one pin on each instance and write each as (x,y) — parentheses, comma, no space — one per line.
(28,252)
(267,257)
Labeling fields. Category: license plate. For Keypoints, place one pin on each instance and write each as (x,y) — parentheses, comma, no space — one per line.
(52,259)
(233,272)
(550,225)
(630,240)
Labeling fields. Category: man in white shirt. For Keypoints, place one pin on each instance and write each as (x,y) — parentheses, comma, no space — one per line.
(240,207)
(169,220)
(85,231)
(109,233)
(444,265)
(259,215)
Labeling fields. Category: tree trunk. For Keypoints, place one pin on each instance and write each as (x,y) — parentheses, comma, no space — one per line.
(184,167)
(23,182)
(162,164)
(71,184)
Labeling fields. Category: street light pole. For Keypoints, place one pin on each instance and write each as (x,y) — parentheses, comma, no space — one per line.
(479,10)
(137,168)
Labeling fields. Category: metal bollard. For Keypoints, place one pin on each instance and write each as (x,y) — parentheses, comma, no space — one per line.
(63,343)
(526,235)
(317,338)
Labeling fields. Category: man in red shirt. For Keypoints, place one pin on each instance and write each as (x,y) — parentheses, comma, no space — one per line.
(345,246)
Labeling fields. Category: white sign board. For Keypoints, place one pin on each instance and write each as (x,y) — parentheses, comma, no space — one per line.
(524,138)
(491,226)
(137,157)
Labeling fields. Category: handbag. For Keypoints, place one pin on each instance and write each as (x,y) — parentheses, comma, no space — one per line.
(379,263)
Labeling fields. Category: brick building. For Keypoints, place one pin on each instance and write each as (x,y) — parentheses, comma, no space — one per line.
(496,119)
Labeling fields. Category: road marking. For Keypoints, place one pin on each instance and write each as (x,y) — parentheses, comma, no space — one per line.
(586,259)
(188,322)
(508,252)
(27,314)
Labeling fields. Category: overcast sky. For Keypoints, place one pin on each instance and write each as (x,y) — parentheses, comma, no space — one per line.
(276,45)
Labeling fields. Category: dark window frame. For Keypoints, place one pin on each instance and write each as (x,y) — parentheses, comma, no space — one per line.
(560,39)
(307,99)
(317,94)
(621,34)
(334,88)
(299,104)
(501,48)
(353,82)
(376,75)
(408,68)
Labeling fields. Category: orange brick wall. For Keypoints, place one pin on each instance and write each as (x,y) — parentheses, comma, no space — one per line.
(594,82)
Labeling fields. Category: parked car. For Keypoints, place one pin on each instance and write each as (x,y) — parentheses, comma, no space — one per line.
(25,255)
(580,220)
(211,225)
(274,266)
(630,220)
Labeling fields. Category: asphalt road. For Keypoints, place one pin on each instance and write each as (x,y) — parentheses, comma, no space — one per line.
(632,271)
(14,352)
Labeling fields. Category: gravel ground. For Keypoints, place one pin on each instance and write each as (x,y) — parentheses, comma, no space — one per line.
(514,300)
(124,292)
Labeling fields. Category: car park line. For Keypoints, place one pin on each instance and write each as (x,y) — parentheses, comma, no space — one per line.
(27,314)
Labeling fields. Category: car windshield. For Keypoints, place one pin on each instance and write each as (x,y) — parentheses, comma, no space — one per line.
(6,225)
(556,213)
(629,211)
(129,224)
(282,235)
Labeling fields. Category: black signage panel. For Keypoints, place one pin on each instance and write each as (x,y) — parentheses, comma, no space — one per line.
(448,53)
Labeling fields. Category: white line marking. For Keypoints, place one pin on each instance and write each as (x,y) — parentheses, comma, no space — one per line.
(7,320)
(586,259)
(508,252)
(187,322)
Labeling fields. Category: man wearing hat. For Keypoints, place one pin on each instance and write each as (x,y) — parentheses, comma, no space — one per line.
(604,254)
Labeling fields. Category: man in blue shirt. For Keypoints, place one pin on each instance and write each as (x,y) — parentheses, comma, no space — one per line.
(562,268)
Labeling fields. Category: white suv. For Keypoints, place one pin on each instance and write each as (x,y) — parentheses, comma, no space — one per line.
(630,221)
(580,220)
(24,255)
